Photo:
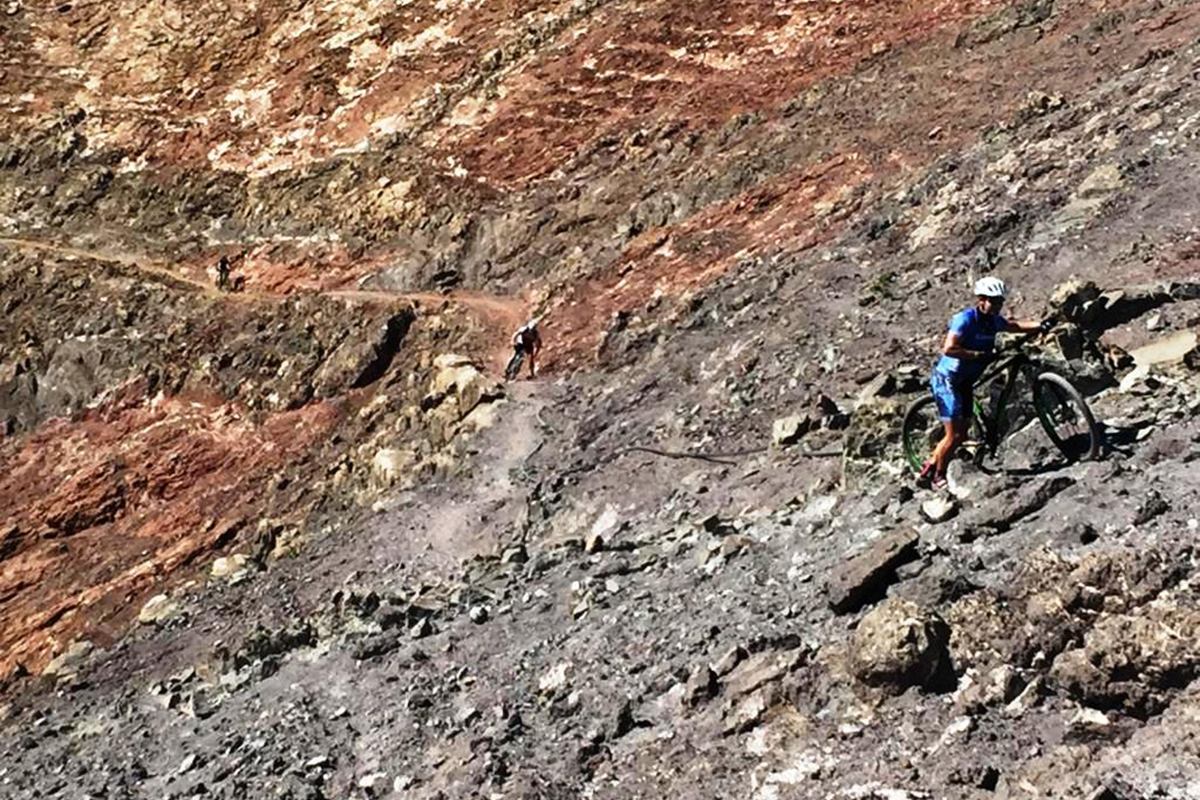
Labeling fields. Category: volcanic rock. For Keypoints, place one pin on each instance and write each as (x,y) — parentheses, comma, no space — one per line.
(899,645)
(864,576)
(789,430)
(157,609)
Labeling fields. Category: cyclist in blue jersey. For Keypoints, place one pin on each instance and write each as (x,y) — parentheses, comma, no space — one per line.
(966,350)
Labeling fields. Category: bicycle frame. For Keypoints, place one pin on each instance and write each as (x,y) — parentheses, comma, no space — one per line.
(1008,370)
(1058,405)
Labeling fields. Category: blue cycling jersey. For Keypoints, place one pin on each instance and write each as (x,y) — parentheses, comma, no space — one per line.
(975,331)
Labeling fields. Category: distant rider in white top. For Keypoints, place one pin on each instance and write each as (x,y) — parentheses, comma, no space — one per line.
(529,341)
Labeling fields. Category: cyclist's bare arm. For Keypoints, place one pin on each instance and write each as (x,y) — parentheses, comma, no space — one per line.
(952,346)
(1023,326)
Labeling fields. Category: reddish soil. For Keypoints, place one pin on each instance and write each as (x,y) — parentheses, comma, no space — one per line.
(139,492)
(513,152)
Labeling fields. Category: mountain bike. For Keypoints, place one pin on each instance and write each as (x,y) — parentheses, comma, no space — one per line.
(1059,406)
(514,365)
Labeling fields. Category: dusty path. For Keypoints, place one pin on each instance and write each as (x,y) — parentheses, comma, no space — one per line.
(127,259)
(439,529)
(500,313)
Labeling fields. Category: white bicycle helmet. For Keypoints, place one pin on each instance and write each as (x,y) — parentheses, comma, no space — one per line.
(991,287)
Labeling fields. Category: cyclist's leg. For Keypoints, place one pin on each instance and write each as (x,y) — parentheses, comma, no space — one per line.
(955,433)
(954,409)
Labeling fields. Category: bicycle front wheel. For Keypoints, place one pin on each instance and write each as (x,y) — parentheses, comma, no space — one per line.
(1066,418)
(514,365)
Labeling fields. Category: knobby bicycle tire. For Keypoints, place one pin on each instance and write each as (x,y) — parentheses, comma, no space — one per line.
(514,365)
(922,429)
(1060,404)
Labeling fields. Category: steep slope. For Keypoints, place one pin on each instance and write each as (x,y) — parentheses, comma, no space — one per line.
(604,582)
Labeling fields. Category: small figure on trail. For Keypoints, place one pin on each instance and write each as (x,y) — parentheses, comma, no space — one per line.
(966,350)
(527,343)
(223,272)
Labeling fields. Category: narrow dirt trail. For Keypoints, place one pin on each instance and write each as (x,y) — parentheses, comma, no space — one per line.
(143,263)
(500,313)
(35,244)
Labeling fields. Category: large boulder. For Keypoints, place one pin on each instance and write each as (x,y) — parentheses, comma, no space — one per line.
(1133,661)
(388,467)
(791,429)
(1085,304)
(363,357)
(874,427)
(66,664)
(458,398)
(1178,347)
(867,573)
(459,378)
(1070,297)
(899,645)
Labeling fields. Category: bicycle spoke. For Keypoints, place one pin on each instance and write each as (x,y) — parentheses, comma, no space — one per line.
(1065,417)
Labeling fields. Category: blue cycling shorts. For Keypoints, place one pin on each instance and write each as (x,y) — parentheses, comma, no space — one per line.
(953,402)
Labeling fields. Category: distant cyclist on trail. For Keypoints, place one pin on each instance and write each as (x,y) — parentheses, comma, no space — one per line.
(527,343)
(966,350)
(223,267)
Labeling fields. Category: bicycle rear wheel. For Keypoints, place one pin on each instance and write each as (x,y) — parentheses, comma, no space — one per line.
(922,430)
(1066,418)
(514,365)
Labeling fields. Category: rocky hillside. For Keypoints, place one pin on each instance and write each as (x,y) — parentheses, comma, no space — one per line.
(297,540)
